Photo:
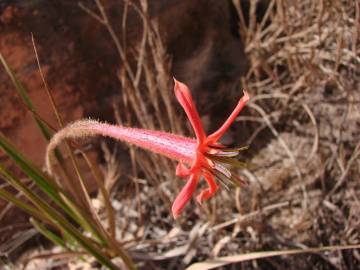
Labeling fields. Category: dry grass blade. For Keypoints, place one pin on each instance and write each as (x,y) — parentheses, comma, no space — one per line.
(147,79)
(353,157)
(277,135)
(27,101)
(104,193)
(316,138)
(222,261)
(58,117)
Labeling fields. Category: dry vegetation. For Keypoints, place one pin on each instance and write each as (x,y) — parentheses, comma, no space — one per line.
(303,128)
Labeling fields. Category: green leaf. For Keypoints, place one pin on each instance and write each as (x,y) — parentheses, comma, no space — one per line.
(32,211)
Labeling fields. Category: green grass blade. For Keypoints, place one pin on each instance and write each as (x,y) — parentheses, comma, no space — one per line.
(109,209)
(43,126)
(48,234)
(88,246)
(88,226)
(23,93)
(43,181)
(28,193)
(61,223)
(32,211)
(49,187)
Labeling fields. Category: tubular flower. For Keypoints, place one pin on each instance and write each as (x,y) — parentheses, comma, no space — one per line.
(203,156)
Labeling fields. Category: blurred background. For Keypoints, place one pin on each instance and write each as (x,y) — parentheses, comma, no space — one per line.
(114,60)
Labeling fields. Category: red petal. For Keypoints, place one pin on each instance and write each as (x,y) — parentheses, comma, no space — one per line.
(217,134)
(182,170)
(185,195)
(207,193)
(183,95)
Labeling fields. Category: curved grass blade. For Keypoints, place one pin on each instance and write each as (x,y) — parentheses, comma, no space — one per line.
(222,261)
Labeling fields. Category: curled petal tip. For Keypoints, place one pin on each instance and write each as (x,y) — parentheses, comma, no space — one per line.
(206,194)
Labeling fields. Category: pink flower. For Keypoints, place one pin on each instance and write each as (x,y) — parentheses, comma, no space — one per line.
(202,156)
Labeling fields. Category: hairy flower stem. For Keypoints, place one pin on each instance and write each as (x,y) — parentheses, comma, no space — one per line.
(173,146)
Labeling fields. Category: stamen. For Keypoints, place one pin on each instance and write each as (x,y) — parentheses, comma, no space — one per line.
(222,178)
(236,149)
(227,160)
(226,154)
(223,170)
(219,177)
(223,183)
(236,180)
(221,153)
